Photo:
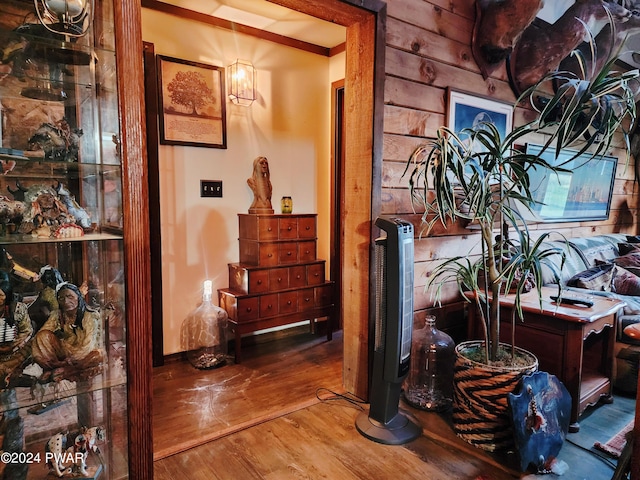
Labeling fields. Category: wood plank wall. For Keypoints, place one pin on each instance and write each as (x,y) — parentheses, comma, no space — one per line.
(428,48)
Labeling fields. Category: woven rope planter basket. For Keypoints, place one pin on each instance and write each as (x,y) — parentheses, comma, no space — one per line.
(480,408)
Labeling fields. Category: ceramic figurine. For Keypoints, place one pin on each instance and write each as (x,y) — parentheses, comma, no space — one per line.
(80,214)
(59,141)
(68,345)
(72,448)
(260,183)
(16,331)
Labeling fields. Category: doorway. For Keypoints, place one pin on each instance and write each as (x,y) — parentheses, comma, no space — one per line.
(359,200)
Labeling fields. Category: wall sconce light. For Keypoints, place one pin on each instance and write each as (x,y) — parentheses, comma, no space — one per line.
(242,83)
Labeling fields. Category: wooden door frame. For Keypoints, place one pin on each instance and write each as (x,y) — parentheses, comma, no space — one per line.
(365,21)
(130,79)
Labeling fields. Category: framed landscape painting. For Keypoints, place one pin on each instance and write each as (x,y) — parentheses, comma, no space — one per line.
(192,106)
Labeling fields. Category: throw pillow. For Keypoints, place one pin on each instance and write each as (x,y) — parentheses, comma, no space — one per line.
(625,282)
(629,260)
(594,278)
(625,248)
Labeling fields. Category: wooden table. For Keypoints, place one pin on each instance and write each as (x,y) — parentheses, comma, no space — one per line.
(574,343)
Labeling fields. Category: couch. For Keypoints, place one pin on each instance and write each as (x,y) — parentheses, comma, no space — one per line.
(607,265)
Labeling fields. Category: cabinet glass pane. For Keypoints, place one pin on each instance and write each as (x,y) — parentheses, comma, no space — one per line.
(63,322)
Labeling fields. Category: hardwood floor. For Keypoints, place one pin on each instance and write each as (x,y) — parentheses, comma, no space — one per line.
(262,420)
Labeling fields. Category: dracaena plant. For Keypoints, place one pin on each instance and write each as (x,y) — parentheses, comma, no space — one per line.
(481,177)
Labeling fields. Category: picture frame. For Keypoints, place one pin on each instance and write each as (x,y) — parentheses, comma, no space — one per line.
(464,110)
(583,193)
(192,106)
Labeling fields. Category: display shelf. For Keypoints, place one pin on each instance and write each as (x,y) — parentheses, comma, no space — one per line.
(63,323)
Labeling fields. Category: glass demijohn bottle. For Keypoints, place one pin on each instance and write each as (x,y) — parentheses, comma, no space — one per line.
(429,384)
(205,333)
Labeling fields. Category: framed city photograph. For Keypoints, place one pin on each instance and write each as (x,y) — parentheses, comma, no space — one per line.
(583,192)
(192,104)
(465,110)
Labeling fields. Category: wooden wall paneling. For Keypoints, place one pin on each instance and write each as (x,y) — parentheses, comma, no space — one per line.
(411,38)
(405,93)
(128,24)
(437,19)
(407,121)
(425,70)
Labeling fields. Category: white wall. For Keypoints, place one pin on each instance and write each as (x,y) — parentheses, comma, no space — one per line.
(289,124)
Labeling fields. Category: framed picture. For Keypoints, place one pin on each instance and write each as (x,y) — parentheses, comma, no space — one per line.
(580,194)
(191,101)
(466,110)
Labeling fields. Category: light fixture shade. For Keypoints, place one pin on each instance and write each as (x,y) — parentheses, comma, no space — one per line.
(71,18)
(242,82)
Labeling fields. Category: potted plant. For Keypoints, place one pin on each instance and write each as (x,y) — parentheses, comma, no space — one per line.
(481,177)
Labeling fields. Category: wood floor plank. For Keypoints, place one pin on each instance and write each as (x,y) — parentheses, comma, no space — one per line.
(192,406)
(321,442)
(263,420)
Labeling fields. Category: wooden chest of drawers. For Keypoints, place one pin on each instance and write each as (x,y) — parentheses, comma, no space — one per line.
(278,280)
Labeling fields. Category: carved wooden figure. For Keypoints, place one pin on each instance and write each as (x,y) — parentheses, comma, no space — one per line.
(540,50)
(260,184)
(498,25)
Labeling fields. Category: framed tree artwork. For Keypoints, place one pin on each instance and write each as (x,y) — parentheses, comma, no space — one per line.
(191,101)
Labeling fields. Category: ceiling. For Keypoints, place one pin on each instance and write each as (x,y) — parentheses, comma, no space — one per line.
(270,17)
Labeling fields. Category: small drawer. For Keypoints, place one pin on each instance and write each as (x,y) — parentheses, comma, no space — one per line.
(306,299)
(288,252)
(307,251)
(267,228)
(307,227)
(258,281)
(268,255)
(268,305)
(288,302)
(248,308)
(278,279)
(297,276)
(288,228)
(323,295)
(315,274)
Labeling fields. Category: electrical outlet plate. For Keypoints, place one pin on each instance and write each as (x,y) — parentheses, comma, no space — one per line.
(211,188)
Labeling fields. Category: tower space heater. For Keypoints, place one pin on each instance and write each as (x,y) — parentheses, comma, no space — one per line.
(393,324)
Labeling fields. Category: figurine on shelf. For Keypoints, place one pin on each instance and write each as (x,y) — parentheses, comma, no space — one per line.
(80,214)
(59,141)
(260,184)
(69,344)
(75,447)
(46,302)
(16,330)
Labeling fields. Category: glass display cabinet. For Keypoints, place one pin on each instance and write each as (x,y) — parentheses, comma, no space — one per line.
(63,328)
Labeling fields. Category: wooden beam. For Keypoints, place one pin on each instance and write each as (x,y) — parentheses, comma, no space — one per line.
(236,27)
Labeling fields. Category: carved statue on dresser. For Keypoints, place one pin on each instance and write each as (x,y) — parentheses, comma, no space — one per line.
(260,184)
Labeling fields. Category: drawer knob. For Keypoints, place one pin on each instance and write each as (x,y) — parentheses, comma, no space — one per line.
(248,309)
(307,299)
(316,275)
(307,252)
(299,277)
(289,302)
(269,306)
(259,282)
(289,228)
(279,279)
(270,255)
(308,227)
(269,229)
(289,253)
